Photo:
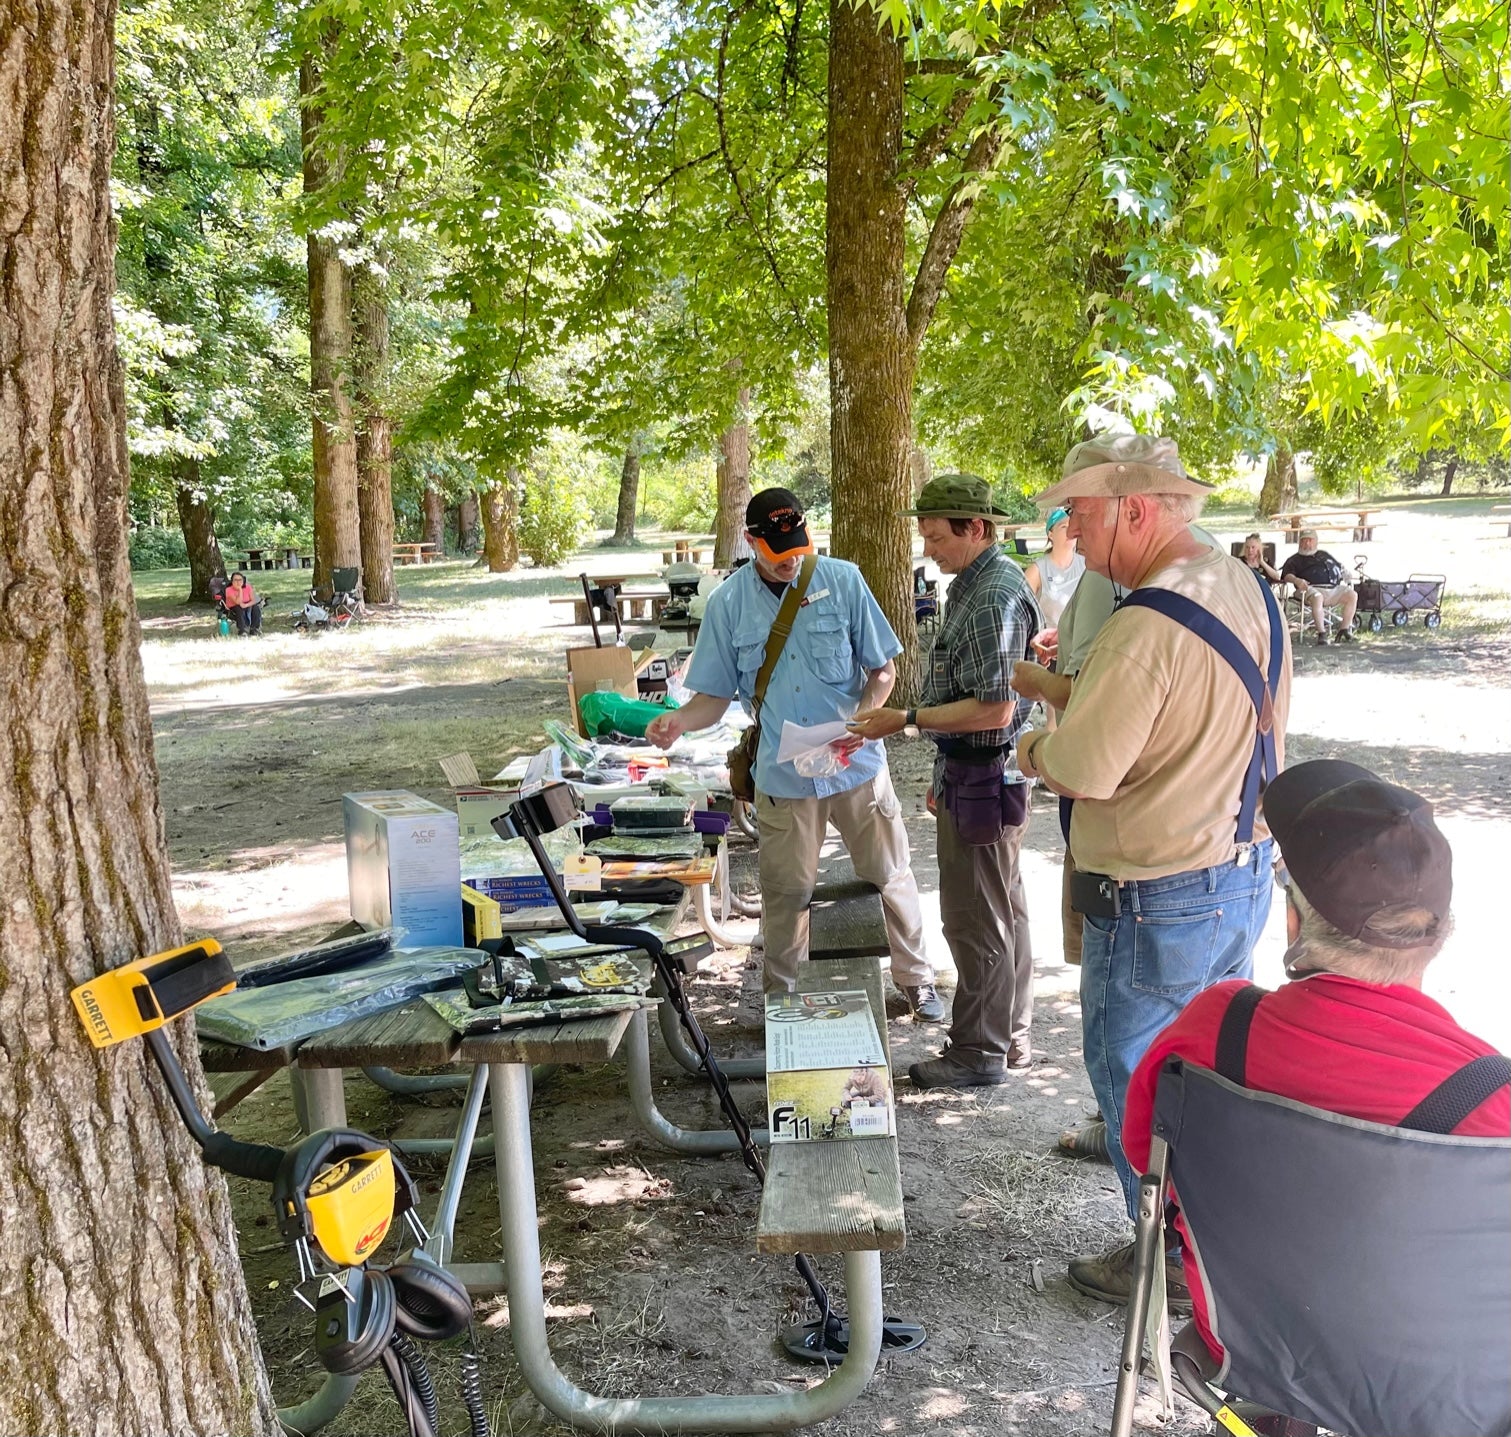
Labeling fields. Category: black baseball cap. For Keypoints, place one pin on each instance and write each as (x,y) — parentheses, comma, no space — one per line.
(1356,845)
(774,518)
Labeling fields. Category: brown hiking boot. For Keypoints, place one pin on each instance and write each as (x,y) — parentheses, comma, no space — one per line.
(947,1072)
(1109,1278)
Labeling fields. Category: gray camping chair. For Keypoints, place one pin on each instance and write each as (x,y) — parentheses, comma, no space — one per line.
(1358,1276)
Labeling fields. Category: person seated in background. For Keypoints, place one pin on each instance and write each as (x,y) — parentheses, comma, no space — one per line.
(1253,556)
(1322,584)
(243,604)
(1368,879)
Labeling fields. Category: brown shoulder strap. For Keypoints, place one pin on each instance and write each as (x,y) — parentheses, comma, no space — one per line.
(781,628)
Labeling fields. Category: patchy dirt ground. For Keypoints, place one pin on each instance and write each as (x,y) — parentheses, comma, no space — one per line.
(655,1286)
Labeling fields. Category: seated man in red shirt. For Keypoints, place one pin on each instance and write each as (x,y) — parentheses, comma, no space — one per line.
(1368,877)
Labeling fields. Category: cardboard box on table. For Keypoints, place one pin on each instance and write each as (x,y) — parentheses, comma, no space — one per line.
(606,670)
(827,1076)
(478,804)
(403,866)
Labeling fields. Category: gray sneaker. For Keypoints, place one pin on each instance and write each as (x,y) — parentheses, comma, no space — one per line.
(925,1002)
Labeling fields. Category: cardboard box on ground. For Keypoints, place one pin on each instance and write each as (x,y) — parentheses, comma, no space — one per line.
(826,1069)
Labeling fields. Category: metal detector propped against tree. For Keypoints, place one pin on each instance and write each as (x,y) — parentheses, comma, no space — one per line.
(827,1338)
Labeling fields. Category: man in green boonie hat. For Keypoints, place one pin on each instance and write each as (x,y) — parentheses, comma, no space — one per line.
(957,496)
(971,713)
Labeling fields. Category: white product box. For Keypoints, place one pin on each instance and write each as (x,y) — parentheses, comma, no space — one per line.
(403,866)
(826,1069)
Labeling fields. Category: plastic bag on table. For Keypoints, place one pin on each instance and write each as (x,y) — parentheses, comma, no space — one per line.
(613,713)
(270,1017)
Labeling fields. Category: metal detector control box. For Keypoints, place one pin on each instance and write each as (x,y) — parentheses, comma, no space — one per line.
(827,1076)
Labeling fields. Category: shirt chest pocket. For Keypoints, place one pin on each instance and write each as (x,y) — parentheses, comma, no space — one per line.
(830,651)
(750,651)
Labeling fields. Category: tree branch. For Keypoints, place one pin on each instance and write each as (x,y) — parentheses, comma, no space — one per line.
(944,238)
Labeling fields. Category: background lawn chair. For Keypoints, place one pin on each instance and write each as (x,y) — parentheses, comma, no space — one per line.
(1357,1275)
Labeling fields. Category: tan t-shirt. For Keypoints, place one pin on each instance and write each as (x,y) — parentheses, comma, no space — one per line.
(1159,730)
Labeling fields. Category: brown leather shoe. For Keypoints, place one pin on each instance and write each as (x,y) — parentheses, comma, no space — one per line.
(1019,1055)
(1109,1278)
(947,1072)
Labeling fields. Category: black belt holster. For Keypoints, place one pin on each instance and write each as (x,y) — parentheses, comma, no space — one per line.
(1095,895)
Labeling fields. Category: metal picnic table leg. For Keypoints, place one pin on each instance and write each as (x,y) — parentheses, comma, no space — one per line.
(701,1142)
(661,1416)
(319,1098)
(681,1049)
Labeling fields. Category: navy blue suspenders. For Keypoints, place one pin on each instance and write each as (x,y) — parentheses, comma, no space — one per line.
(1206,625)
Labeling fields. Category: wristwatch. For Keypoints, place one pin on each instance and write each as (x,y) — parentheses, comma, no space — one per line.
(910,724)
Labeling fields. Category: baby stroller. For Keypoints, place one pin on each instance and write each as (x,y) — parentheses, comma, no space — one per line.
(341,609)
(218,587)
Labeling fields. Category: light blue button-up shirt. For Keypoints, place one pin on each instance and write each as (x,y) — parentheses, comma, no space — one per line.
(840,634)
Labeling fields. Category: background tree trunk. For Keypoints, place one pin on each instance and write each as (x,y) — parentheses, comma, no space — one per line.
(122,1303)
(871,355)
(433,522)
(733,478)
(198,523)
(337,541)
(629,496)
(1449,470)
(500,512)
(1279,489)
(374,438)
(467,523)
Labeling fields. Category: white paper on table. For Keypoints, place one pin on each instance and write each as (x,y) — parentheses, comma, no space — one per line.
(797,740)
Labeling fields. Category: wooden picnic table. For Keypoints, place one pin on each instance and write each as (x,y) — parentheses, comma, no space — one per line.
(641,605)
(1362,523)
(417,553)
(258,559)
(1502,509)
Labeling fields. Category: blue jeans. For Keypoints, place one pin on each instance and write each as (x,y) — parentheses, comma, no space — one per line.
(1174,937)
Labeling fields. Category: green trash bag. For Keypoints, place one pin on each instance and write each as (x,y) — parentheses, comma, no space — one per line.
(613,713)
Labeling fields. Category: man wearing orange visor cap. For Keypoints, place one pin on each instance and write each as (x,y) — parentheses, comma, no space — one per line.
(836,658)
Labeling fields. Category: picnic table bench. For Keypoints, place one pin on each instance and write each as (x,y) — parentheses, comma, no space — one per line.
(1361,523)
(641,605)
(417,553)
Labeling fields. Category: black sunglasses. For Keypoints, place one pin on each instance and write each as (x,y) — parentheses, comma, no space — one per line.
(782,521)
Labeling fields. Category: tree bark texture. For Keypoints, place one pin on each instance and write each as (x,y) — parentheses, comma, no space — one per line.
(197,520)
(629,497)
(500,513)
(1449,470)
(337,533)
(374,439)
(871,354)
(733,486)
(433,521)
(122,1303)
(467,523)
(1278,491)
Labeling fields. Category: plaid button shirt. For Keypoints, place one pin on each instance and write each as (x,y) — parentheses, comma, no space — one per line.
(990,615)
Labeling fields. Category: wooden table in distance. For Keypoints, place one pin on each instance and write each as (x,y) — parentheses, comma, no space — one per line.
(416,553)
(1504,521)
(1361,523)
(640,605)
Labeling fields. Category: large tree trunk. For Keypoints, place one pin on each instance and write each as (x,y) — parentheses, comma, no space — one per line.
(871,355)
(122,1303)
(629,496)
(1278,492)
(433,523)
(198,523)
(733,476)
(337,541)
(374,439)
(1449,470)
(500,511)
(467,522)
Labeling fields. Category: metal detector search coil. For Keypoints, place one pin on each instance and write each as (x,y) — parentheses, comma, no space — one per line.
(140,997)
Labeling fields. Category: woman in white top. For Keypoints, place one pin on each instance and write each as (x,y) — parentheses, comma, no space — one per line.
(1053,576)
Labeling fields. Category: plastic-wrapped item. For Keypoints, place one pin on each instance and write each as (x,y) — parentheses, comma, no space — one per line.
(488,856)
(613,713)
(282,1013)
(329,957)
(453,1006)
(661,813)
(638,846)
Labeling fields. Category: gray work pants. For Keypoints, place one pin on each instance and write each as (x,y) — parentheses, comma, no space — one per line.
(985,919)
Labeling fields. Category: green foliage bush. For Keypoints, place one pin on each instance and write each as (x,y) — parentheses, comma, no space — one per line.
(558,501)
(154,548)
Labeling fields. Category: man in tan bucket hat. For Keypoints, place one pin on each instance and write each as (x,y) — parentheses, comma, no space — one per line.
(1173,725)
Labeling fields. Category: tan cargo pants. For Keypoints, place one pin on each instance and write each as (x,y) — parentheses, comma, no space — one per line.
(869,819)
